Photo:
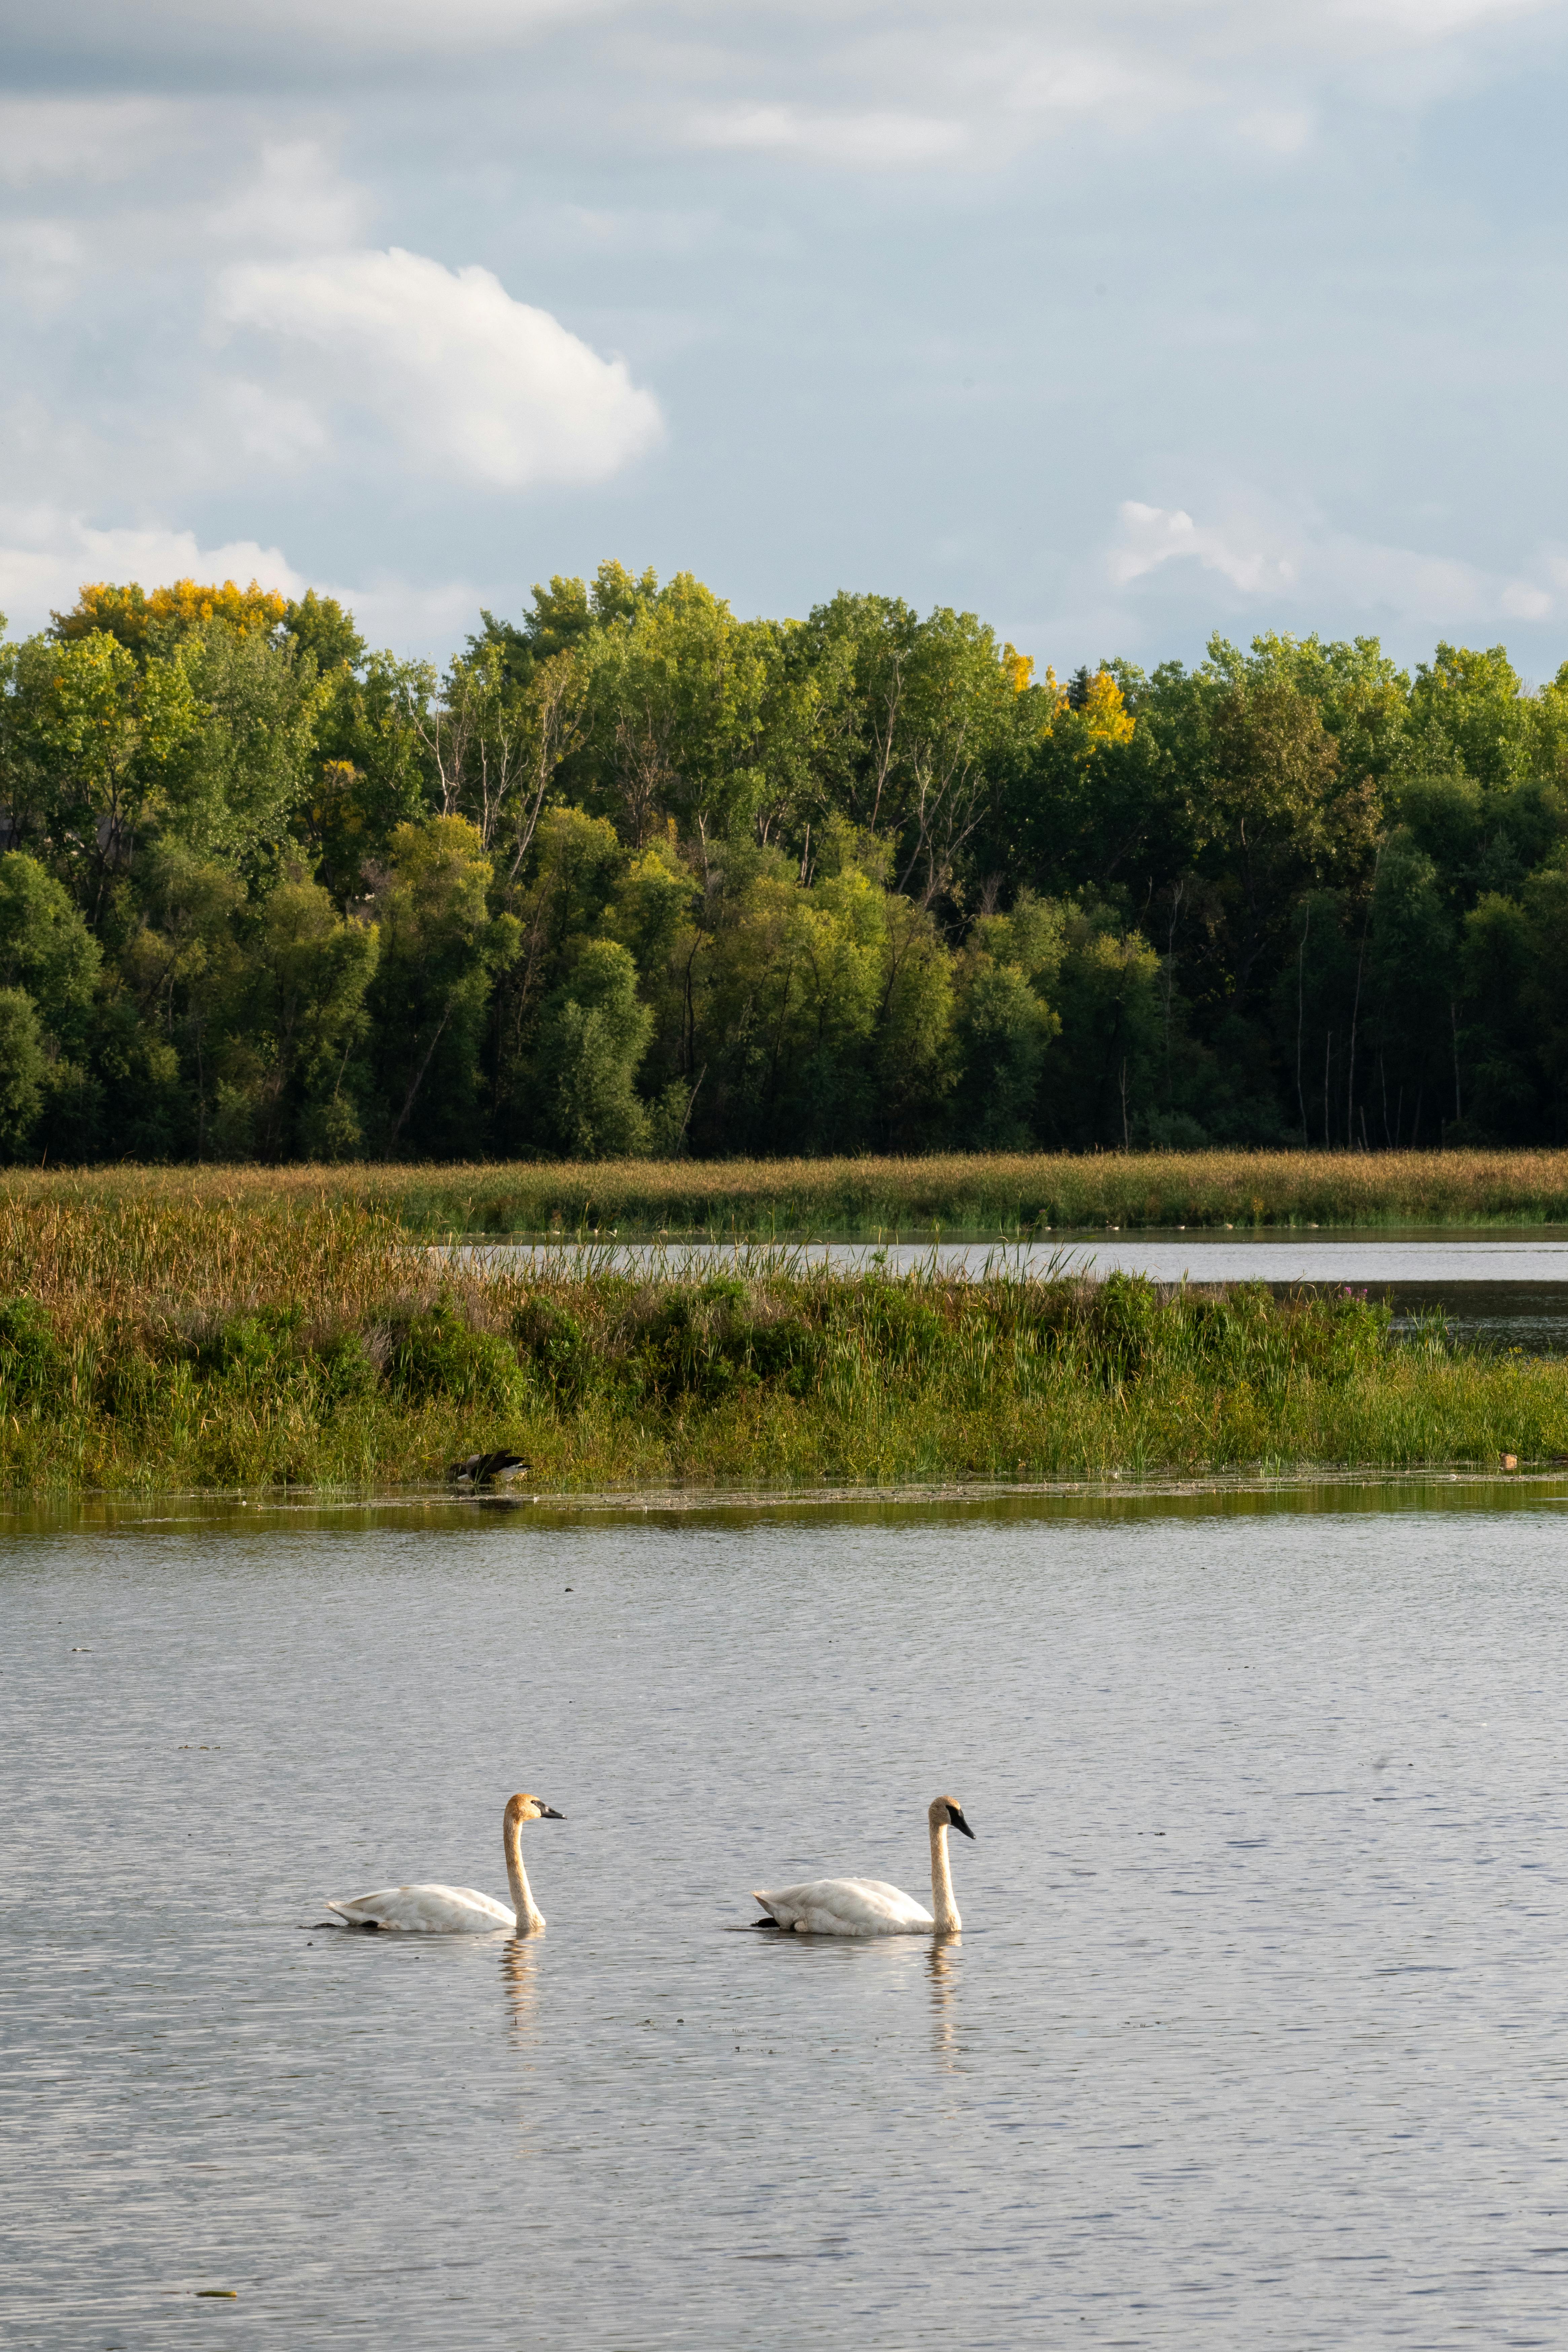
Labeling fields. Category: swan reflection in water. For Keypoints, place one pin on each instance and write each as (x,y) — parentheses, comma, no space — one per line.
(519,1980)
(942,1974)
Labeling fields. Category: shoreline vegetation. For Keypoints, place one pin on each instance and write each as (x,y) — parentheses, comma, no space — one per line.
(164,1331)
(1001,1196)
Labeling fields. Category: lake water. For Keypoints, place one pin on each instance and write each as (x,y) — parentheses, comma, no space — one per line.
(1501,1289)
(1258,2030)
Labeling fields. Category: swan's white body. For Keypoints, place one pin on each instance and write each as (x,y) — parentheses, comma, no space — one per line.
(436,1910)
(428,1911)
(869,1906)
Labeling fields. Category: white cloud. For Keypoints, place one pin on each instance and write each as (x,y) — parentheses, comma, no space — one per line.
(413,616)
(1434,20)
(45,557)
(312,34)
(1272,563)
(871,140)
(282,432)
(1039,80)
(470,382)
(41,264)
(88,140)
(1279,130)
(295,199)
(937,82)
(1522,601)
(858,83)
(1152,536)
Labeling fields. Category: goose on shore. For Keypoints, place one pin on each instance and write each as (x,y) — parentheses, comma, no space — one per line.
(459,1910)
(495,1469)
(869,1906)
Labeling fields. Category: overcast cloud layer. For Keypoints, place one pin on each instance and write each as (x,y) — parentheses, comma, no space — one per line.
(1117,323)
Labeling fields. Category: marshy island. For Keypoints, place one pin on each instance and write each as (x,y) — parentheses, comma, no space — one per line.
(246,1329)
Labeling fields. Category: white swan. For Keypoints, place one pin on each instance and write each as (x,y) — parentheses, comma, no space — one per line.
(869,1906)
(458,1910)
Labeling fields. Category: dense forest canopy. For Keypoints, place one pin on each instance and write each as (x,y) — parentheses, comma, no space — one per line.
(634,875)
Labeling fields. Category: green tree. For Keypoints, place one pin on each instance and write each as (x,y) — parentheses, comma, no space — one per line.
(1476,703)
(247,766)
(565,617)
(918,721)
(290,1086)
(322,628)
(46,949)
(93,745)
(1413,982)
(1273,814)
(1005,1024)
(181,964)
(573,867)
(1102,1078)
(679,701)
(23,1070)
(1497,1044)
(441,950)
(593,1037)
(495,750)
(368,772)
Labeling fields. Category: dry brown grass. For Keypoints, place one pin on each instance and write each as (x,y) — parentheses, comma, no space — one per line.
(90,1252)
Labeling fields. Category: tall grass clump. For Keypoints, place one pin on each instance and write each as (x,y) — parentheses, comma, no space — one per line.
(188,1337)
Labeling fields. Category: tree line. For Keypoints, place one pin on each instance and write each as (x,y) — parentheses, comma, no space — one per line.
(632,875)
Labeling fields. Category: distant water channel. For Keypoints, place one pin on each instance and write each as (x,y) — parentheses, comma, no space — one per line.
(1496,1288)
(1258,2030)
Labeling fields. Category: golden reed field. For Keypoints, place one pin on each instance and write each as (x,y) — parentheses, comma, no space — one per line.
(994,1194)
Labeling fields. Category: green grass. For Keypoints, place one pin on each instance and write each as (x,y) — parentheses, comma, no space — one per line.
(1010,1195)
(176,1338)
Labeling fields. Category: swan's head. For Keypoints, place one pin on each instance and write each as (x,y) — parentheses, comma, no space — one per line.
(524,1807)
(947,1813)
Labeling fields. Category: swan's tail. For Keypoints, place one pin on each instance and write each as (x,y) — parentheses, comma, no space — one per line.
(772,1919)
(350,1916)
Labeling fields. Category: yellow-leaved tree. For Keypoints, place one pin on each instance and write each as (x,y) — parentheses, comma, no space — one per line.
(130,614)
(1091,706)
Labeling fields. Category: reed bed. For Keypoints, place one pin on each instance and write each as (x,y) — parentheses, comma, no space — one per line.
(998,1194)
(180,1335)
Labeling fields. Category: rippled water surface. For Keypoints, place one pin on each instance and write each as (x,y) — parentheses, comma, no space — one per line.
(1258,2030)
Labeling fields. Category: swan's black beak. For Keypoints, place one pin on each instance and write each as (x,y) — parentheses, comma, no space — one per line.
(549,1813)
(956,1818)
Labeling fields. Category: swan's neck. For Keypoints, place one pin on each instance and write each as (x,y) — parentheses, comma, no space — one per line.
(944,1910)
(530,1917)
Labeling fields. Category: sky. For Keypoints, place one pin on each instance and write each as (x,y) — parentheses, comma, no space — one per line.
(1118,323)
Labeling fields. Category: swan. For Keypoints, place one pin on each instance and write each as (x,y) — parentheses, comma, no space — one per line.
(869,1906)
(458,1910)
